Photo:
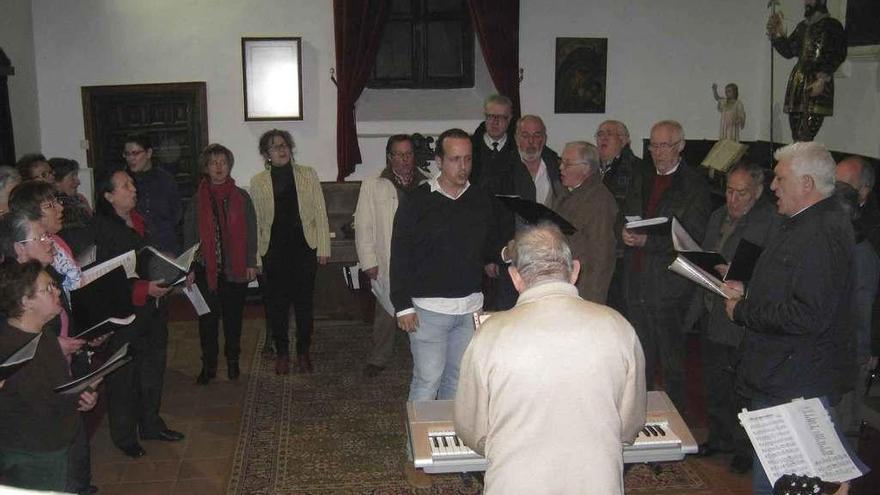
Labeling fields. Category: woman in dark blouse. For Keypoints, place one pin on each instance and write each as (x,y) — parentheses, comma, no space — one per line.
(37,426)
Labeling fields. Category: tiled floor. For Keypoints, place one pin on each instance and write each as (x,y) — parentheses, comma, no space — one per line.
(209,416)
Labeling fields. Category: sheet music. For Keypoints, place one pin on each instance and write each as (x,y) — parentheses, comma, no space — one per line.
(197,299)
(696,274)
(681,240)
(126,260)
(799,438)
(184,261)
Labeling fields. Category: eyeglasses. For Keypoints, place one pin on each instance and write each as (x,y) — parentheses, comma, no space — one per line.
(51,288)
(402,154)
(45,175)
(602,134)
(568,164)
(50,204)
(496,116)
(133,153)
(528,137)
(279,147)
(663,146)
(43,238)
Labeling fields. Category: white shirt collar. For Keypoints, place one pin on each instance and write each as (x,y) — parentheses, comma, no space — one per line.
(489,140)
(434,185)
(671,171)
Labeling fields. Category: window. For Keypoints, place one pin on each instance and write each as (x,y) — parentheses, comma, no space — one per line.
(427,44)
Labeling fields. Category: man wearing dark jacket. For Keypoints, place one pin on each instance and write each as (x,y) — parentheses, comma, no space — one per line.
(747,215)
(493,142)
(795,311)
(441,239)
(656,298)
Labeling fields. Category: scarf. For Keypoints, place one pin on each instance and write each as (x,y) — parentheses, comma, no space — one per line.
(221,209)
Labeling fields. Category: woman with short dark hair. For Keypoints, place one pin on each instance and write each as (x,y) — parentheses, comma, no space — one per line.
(222,216)
(293,237)
(134,393)
(37,425)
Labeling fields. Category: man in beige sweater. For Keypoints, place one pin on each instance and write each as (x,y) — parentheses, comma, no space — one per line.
(550,390)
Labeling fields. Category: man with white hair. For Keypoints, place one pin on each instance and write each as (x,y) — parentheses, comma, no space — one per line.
(618,163)
(590,208)
(555,385)
(656,298)
(797,341)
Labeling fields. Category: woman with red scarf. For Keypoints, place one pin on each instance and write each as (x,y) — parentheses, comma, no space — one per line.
(221,216)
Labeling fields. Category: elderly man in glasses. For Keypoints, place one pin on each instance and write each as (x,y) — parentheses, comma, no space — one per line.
(655,297)
(373,224)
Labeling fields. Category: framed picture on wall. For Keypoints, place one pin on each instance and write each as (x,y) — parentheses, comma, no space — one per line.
(581,66)
(272,78)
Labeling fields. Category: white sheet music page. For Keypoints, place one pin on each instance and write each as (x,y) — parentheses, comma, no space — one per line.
(126,260)
(798,438)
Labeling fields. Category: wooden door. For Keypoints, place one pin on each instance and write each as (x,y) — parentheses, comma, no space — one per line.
(174,115)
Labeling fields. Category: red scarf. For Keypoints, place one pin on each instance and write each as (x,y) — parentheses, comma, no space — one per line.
(233,231)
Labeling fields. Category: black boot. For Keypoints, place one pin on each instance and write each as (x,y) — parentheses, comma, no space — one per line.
(209,371)
(232,370)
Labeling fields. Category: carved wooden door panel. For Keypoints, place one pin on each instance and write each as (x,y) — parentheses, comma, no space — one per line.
(174,115)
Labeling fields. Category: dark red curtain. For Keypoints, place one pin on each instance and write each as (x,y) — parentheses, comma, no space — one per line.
(358,25)
(497,26)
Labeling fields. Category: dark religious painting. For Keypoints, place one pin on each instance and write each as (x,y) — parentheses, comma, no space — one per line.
(173,115)
(581,66)
(863,22)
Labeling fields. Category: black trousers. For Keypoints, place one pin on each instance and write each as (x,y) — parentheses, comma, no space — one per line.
(722,401)
(661,333)
(226,303)
(290,279)
(134,392)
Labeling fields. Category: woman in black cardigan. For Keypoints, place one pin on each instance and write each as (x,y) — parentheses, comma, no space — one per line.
(134,393)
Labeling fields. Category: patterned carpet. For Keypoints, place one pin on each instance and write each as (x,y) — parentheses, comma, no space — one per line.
(337,432)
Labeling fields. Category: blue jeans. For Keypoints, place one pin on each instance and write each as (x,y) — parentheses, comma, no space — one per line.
(437,346)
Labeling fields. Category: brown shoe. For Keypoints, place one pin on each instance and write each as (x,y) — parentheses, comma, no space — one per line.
(304,363)
(282,365)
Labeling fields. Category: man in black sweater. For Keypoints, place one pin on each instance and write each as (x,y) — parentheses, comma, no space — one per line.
(441,242)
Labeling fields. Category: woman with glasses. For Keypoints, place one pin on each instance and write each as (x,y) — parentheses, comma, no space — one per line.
(222,216)
(26,241)
(38,427)
(77,214)
(293,237)
(158,199)
(34,166)
(134,393)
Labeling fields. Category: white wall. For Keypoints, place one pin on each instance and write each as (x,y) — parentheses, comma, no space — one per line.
(97,42)
(663,58)
(17,40)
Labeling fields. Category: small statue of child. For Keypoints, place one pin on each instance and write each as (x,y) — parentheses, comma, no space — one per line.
(733,115)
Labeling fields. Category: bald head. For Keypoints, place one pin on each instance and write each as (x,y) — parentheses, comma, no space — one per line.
(858,173)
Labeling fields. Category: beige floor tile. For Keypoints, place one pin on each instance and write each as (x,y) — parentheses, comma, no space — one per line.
(144,471)
(200,487)
(157,488)
(205,468)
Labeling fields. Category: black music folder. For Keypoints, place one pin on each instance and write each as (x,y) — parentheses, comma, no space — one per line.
(102,328)
(153,265)
(744,260)
(533,212)
(119,359)
(107,296)
(19,358)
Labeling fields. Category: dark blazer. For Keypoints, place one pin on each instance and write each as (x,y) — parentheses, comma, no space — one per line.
(756,226)
(688,199)
(515,180)
(795,309)
(620,175)
(487,163)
